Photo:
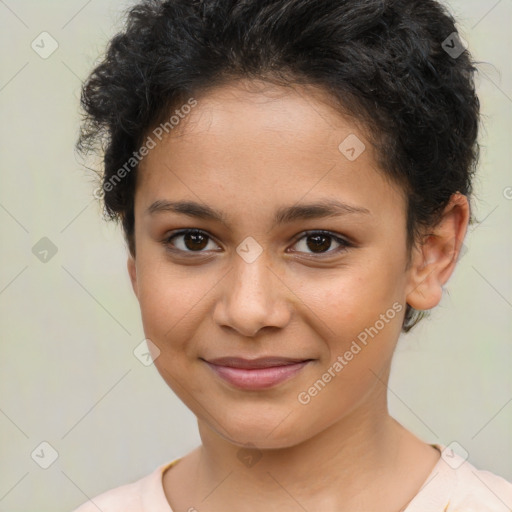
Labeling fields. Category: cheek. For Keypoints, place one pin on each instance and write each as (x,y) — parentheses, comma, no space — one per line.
(169,302)
(354,298)
(363,309)
(365,323)
(169,308)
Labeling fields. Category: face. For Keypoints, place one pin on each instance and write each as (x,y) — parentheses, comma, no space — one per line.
(269,275)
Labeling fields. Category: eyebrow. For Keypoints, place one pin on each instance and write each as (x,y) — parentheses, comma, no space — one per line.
(285,214)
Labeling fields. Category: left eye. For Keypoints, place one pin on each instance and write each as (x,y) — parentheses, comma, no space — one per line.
(194,240)
(320,241)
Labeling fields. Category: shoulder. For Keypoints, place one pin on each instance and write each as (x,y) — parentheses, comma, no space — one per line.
(455,485)
(479,490)
(125,497)
(131,497)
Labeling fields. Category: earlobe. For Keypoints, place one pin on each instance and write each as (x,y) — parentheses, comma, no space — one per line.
(132,272)
(434,259)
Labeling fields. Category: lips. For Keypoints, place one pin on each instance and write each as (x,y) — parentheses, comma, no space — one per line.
(262,362)
(256,374)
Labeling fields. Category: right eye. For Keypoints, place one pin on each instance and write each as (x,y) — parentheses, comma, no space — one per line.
(190,240)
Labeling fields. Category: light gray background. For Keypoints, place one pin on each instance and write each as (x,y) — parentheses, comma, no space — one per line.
(69,326)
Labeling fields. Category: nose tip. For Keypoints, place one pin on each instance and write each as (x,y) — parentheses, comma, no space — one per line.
(252,300)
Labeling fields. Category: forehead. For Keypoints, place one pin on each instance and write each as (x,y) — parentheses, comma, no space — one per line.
(264,110)
(251,142)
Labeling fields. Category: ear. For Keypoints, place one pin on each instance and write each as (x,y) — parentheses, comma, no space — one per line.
(433,259)
(132,272)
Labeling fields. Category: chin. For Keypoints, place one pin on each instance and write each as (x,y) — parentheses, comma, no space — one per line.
(257,440)
(259,431)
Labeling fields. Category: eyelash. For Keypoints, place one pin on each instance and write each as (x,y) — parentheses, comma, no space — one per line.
(345,244)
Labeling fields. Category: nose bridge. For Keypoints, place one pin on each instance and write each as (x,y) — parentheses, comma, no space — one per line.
(252,274)
(252,295)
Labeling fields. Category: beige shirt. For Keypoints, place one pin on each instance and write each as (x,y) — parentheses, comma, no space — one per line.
(454,485)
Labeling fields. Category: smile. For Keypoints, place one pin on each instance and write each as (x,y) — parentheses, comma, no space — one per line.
(257,373)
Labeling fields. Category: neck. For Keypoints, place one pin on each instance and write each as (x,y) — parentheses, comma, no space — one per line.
(334,470)
(363,461)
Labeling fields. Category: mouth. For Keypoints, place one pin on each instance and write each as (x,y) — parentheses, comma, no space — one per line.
(254,374)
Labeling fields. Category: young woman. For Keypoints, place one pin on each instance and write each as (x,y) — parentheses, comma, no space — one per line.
(293,178)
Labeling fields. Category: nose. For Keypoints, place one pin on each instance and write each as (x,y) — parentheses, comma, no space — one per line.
(253,296)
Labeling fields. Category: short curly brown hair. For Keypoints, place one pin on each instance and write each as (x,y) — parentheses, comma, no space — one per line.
(397,65)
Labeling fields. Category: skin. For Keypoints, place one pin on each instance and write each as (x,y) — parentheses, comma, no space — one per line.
(248,151)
